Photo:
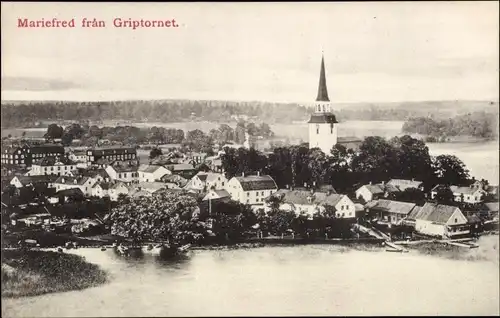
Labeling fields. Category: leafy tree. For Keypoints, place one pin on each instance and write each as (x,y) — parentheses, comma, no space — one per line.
(54,131)
(444,195)
(450,170)
(155,152)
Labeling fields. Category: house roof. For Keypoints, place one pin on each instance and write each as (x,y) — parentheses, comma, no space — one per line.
(47,148)
(391,206)
(93,172)
(36,179)
(473,219)
(219,193)
(180,167)
(103,185)
(209,176)
(403,184)
(51,161)
(379,188)
(119,184)
(125,168)
(151,186)
(148,168)
(302,197)
(251,183)
(72,180)
(492,206)
(70,192)
(437,213)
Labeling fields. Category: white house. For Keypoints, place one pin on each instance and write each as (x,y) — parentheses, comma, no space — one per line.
(369,192)
(53,166)
(101,189)
(251,189)
(309,202)
(125,174)
(439,220)
(116,189)
(85,184)
(151,173)
(469,194)
(204,181)
(79,156)
(389,211)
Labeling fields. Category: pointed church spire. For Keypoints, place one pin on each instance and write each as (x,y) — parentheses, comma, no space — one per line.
(322,91)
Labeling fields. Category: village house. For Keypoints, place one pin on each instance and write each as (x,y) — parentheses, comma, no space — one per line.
(204,181)
(100,175)
(83,183)
(23,181)
(151,173)
(439,220)
(311,202)
(217,195)
(24,156)
(113,154)
(185,170)
(369,192)
(388,211)
(116,189)
(196,158)
(52,165)
(251,189)
(214,163)
(403,184)
(470,194)
(78,156)
(101,189)
(127,174)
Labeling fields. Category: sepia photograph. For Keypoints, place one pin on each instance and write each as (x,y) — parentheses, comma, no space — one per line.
(168,159)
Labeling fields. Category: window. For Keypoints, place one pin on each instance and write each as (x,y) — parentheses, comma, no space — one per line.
(257,193)
(262,193)
(317,129)
(248,200)
(456,220)
(257,200)
(222,183)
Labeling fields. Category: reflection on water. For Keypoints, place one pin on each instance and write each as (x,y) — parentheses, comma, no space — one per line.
(300,280)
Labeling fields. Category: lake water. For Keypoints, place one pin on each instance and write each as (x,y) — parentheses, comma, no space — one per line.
(300,280)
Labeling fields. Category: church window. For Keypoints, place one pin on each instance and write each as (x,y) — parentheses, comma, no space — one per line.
(331,128)
(317,129)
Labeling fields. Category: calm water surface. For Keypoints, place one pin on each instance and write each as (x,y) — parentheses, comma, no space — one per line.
(306,280)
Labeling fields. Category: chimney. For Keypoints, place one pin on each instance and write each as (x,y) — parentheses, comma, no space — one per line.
(329,191)
(383,182)
(287,186)
(412,179)
(312,190)
(305,185)
(370,183)
(243,174)
(75,182)
(62,180)
(258,173)
(314,184)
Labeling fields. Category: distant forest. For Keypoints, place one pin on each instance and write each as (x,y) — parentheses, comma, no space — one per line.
(26,114)
(477,124)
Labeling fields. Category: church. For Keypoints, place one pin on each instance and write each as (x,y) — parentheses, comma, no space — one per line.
(323,125)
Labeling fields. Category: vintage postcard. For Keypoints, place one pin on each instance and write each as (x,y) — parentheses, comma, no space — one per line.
(250,159)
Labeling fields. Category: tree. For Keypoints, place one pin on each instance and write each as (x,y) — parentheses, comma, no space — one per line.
(377,160)
(444,195)
(412,195)
(280,221)
(66,139)
(54,131)
(155,152)
(164,217)
(450,170)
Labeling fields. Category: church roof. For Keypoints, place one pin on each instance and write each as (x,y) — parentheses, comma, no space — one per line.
(322,118)
(322,91)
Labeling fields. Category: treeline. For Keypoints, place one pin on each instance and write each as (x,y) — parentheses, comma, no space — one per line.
(195,140)
(477,124)
(377,160)
(23,114)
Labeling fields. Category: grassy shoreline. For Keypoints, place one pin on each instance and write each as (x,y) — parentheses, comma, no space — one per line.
(35,272)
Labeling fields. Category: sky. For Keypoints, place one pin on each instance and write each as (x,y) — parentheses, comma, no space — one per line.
(374,52)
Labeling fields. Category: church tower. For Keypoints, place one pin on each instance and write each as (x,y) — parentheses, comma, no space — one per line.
(323,124)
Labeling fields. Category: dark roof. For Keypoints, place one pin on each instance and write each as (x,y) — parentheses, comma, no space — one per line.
(103,185)
(403,184)
(36,179)
(50,161)
(251,183)
(125,168)
(473,219)
(437,213)
(47,148)
(305,197)
(180,167)
(70,192)
(391,206)
(148,168)
(322,118)
(322,91)
(93,172)
(491,206)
